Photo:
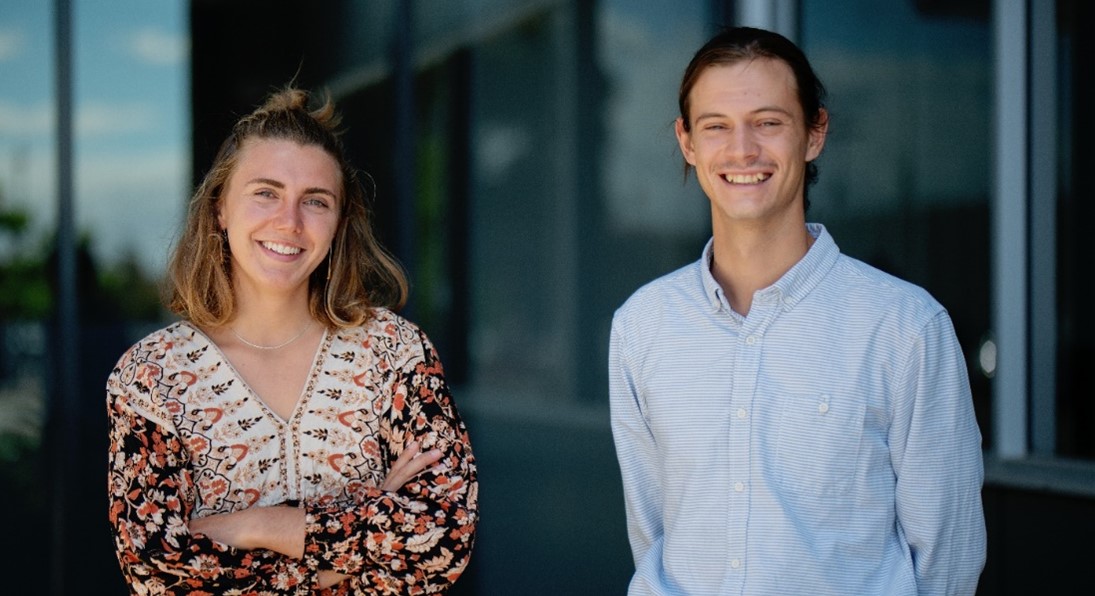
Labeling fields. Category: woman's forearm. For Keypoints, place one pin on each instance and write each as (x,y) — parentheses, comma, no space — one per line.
(279,528)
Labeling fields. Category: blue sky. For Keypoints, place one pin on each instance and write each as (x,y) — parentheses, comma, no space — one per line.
(131,63)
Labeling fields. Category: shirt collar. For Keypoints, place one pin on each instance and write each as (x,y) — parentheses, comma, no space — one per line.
(795,284)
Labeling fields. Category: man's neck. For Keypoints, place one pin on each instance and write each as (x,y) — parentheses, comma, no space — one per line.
(748,258)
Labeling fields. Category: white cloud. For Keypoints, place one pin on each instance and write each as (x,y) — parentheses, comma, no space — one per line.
(92,118)
(11,44)
(113,118)
(133,204)
(26,120)
(159,47)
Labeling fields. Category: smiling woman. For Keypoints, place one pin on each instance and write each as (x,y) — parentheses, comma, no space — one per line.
(292,433)
(279,213)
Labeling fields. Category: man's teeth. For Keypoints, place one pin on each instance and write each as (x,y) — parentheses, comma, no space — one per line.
(746,178)
(281,249)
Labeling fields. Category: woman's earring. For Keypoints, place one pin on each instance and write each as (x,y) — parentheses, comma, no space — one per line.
(327,285)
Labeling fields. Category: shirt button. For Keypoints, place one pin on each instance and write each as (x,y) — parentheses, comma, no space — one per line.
(735,563)
(742,413)
(823,407)
(752,339)
(739,486)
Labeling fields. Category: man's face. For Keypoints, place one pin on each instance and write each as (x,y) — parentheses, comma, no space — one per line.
(749,142)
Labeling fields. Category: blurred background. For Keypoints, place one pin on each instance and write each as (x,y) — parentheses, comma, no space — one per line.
(529,180)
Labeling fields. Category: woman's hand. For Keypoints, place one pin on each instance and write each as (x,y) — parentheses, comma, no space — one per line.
(408,465)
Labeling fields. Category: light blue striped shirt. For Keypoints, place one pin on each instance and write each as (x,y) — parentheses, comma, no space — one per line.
(823,444)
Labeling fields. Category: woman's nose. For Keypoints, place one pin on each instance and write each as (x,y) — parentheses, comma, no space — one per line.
(288,216)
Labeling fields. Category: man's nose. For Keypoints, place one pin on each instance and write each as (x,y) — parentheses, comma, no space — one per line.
(741,144)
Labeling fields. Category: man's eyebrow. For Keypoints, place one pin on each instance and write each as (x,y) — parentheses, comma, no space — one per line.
(759,110)
(706,115)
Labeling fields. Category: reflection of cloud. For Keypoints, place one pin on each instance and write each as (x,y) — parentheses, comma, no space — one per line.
(159,47)
(114,118)
(132,204)
(499,147)
(11,42)
(24,121)
(129,203)
(98,119)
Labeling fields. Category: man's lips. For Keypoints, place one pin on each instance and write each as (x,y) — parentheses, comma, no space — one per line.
(746,178)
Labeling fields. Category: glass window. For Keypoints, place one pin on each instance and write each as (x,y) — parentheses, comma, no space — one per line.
(27,216)
(130,72)
(1076,258)
(904,178)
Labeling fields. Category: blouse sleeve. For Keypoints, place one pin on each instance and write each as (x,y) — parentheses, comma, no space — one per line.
(151,497)
(417,540)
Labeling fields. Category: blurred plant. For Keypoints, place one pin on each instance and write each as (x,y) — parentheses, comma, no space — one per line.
(136,295)
(24,289)
(109,299)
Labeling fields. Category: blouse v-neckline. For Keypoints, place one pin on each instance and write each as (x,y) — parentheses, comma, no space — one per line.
(305,392)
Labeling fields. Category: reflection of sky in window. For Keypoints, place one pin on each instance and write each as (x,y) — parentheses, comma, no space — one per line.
(910,100)
(643,50)
(131,116)
(888,28)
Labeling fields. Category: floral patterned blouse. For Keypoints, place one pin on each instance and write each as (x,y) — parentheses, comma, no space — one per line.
(189,438)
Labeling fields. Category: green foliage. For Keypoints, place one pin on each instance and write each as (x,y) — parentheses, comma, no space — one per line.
(13,221)
(24,286)
(136,296)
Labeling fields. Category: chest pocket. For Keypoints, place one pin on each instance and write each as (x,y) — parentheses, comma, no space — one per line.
(819,442)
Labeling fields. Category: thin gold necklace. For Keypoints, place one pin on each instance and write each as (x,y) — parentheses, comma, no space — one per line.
(307,326)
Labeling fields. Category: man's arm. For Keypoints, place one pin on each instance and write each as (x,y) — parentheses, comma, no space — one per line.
(936,453)
(637,454)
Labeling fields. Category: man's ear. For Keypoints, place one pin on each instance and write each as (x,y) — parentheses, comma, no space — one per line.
(684,139)
(816,135)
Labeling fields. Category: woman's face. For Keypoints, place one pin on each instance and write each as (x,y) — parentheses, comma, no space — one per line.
(280,208)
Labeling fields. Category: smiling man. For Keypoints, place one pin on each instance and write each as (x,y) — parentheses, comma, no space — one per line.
(788,420)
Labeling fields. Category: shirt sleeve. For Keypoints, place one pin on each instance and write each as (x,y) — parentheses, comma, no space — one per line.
(417,540)
(151,497)
(636,451)
(936,451)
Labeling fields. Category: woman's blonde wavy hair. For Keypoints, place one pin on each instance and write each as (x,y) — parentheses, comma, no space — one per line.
(358,274)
